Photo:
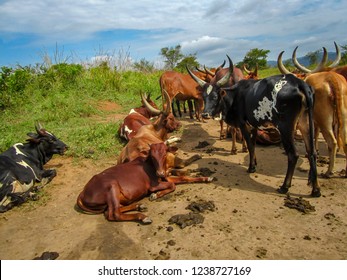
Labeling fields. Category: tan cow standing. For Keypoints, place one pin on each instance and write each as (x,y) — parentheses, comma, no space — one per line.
(330,109)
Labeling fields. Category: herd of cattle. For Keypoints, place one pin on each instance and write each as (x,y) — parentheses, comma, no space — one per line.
(266,110)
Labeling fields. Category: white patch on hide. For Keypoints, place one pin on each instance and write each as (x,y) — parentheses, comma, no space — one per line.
(18,151)
(24,164)
(264,110)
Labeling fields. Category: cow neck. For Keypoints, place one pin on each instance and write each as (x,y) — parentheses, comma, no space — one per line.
(226,103)
(160,128)
(43,156)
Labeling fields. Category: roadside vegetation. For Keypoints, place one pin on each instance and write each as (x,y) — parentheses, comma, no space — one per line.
(66,98)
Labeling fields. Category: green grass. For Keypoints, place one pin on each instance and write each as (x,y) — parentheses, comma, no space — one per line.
(65,98)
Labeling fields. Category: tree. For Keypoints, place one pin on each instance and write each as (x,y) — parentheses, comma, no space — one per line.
(144,66)
(256,56)
(343,60)
(172,56)
(189,60)
(313,57)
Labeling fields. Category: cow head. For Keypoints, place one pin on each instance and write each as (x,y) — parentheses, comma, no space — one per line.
(166,118)
(47,141)
(211,90)
(158,153)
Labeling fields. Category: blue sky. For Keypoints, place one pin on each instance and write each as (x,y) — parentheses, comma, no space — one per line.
(84,29)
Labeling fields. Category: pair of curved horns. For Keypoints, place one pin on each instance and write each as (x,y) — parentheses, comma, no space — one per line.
(154,111)
(222,81)
(302,68)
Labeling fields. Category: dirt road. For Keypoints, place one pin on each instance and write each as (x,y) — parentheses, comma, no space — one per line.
(245,219)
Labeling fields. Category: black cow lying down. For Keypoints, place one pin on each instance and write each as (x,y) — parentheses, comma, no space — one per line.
(281,100)
(21,166)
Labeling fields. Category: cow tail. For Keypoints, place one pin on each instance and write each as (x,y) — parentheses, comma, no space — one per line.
(87,210)
(339,93)
(309,96)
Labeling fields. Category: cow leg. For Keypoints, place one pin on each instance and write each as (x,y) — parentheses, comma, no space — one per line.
(233,136)
(222,134)
(173,109)
(191,108)
(329,137)
(188,179)
(287,136)
(114,210)
(310,145)
(250,139)
(134,206)
(47,176)
(161,189)
(178,105)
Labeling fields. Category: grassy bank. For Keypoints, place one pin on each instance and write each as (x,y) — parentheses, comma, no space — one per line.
(65,98)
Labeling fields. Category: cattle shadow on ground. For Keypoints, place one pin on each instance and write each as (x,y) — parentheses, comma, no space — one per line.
(231,171)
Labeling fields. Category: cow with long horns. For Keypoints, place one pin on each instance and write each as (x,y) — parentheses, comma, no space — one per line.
(330,110)
(224,78)
(280,100)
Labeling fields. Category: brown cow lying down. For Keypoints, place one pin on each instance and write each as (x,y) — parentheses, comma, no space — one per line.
(116,190)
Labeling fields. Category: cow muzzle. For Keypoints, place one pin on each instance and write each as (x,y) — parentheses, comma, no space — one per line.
(161,173)
(206,115)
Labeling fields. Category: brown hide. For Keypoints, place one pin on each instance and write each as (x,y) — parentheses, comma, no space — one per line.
(330,109)
(137,117)
(182,87)
(116,190)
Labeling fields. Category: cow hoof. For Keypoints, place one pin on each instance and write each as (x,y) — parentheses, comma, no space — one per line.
(251,169)
(153,196)
(142,208)
(146,221)
(233,152)
(210,179)
(315,193)
(282,190)
(327,175)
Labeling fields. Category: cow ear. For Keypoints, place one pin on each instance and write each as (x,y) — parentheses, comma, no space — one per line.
(223,93)
(33,138)
(144,153)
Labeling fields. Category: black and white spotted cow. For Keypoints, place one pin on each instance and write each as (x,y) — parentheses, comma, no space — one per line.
(281,100)
(21,166)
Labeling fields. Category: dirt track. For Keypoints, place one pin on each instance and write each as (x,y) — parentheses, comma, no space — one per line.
(249,219)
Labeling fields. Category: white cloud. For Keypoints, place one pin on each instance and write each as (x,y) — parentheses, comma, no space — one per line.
(209,28)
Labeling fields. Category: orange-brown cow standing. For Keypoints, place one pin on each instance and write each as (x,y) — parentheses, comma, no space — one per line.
(330,108)
(182,88)
(117,190)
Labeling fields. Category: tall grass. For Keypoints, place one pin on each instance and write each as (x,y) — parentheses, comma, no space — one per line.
(65,98)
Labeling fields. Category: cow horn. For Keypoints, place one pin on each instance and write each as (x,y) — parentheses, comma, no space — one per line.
(196,79)
(222,65)
(199,70)
(245,69)
(280,64)
(227,76)
(208,71)
(38,127)
(320,66)
(150,108)
(338,56)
